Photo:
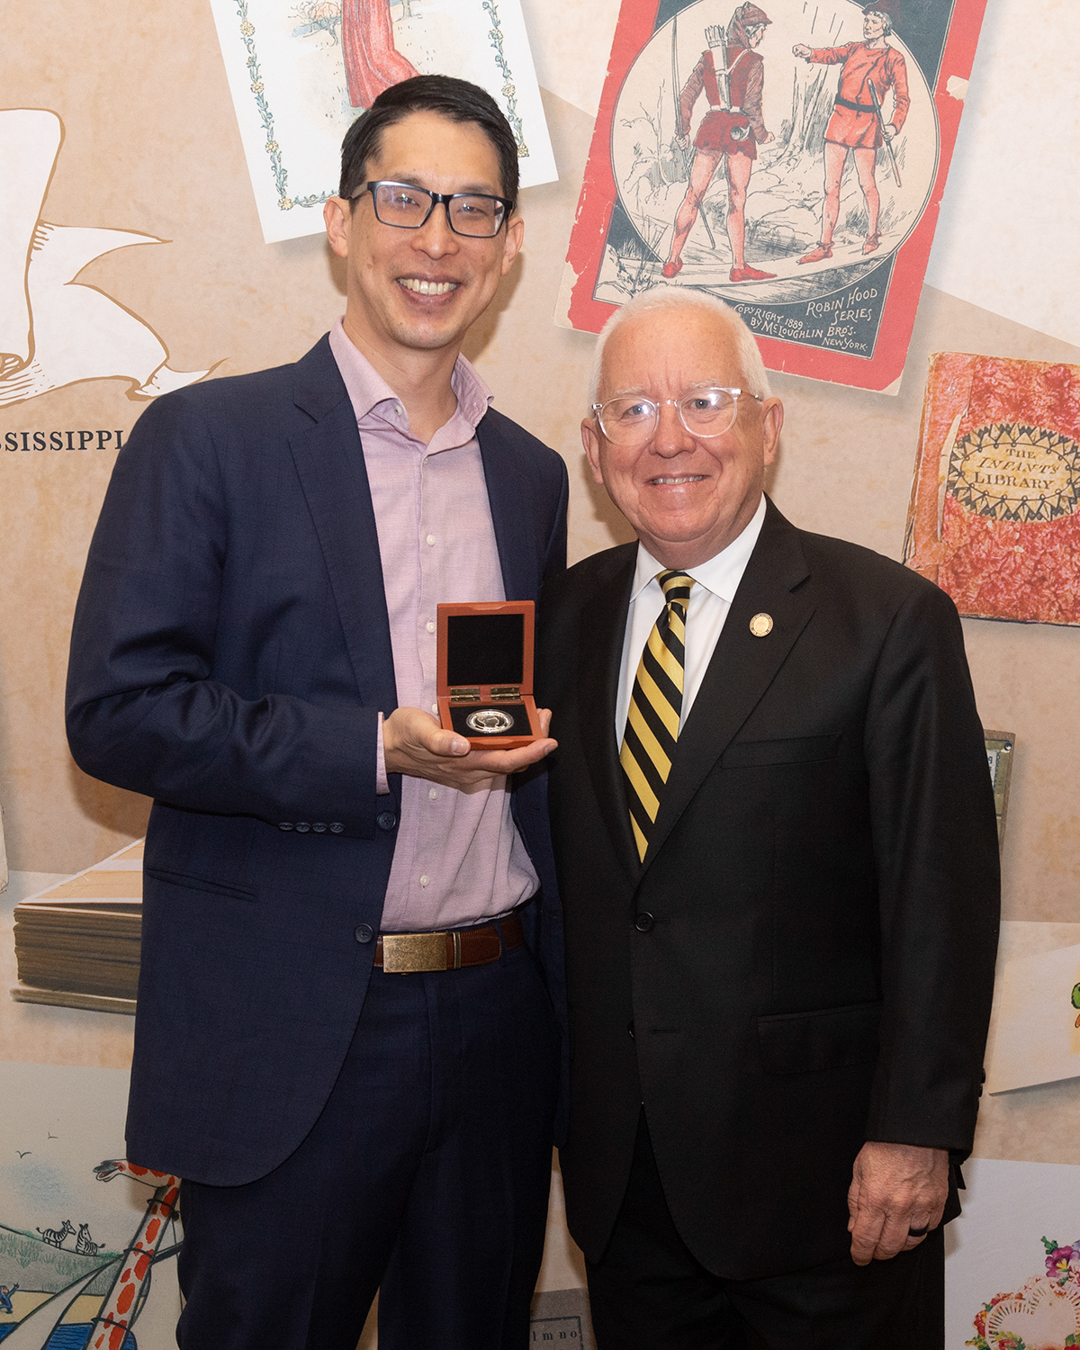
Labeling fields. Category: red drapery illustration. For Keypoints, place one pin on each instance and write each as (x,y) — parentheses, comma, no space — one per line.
(372,62)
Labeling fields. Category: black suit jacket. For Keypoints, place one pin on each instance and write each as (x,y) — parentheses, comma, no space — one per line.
(805,958)
(230,656)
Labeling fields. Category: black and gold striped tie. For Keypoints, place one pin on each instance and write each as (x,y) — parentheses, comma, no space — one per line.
(652,724)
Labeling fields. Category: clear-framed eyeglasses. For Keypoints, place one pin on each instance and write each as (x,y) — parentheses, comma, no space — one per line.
(407,207)
(708,410)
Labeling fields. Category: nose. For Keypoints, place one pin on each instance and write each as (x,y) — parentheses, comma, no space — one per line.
(435,237)
(670,437)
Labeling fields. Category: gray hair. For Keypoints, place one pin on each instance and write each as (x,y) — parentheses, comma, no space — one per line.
(886,19)
(751,366)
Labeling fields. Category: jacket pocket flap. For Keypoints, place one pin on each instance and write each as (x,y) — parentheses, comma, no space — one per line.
(832,1038)
(796,750)
(198,883)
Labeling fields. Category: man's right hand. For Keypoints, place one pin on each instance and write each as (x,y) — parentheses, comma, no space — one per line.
(415,744)
(801,49)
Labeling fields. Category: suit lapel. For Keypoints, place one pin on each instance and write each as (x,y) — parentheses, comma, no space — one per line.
(742,666)
(510,515)
(603,628)
(330,463)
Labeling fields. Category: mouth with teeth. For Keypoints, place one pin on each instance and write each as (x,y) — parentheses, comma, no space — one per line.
(420,287)
(671,481)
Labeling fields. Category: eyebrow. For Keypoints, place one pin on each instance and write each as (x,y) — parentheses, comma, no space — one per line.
(412,180)
(695,384)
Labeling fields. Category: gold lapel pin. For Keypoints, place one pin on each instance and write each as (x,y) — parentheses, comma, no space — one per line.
(761,625)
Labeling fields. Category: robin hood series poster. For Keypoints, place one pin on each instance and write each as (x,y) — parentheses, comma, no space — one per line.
(788,157)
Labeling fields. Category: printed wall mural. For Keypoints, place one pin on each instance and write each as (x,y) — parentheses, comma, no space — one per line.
(55,330)
(88,1243)
(788,158)
(993,518)
(300,74)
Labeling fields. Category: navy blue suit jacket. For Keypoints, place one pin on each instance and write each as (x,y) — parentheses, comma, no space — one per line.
(230,656)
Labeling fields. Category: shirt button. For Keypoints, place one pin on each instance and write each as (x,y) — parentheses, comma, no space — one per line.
(364,932)
(643,922)
(302,827)
(319,827)
(336,827)
(398,409)
(430,626)
(424,881)
(430,539)
(386,820)
(435,708)
(433,793)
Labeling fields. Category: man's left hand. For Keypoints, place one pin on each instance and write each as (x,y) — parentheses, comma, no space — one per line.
(895,1188)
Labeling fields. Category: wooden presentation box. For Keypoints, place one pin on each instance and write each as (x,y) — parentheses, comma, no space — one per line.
(486,673)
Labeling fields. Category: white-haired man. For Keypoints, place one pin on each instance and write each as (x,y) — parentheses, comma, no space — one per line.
(871,68)
(777,852)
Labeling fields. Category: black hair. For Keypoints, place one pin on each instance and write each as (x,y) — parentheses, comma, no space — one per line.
(456,100)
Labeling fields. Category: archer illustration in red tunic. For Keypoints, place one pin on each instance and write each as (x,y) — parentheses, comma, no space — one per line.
(372,62)
(871,68)
(731,130)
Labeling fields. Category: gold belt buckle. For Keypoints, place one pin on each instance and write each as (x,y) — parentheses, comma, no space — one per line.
(409,953)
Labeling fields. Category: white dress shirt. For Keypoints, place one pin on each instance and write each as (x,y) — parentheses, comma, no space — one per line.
(716,582)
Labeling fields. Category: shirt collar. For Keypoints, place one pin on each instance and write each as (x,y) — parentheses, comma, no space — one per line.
(368,391)
(721,574)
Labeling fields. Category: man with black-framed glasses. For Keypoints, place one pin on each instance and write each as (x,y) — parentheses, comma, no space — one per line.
(776,846)
(348,1038)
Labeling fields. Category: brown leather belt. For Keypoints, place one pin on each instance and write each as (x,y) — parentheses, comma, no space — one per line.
(408,953)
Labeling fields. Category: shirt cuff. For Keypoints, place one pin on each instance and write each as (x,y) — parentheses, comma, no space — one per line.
(382,787)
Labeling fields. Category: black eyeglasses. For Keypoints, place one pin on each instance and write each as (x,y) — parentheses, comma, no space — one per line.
(407,207)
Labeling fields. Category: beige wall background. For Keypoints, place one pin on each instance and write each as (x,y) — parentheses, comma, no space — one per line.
(151,145)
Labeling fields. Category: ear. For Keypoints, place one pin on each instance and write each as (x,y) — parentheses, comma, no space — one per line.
(772,421)
(591,441)
(515,233)
(337,216)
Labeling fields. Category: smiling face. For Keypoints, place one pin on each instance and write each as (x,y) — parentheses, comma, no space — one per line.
(420,290)
(687,497)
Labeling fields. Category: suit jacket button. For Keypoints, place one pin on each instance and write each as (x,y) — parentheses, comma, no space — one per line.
(364,932)
(319,827)
(630,1030)
(386,820)
(642,922)
(336,827)
(285,825)
(302,827)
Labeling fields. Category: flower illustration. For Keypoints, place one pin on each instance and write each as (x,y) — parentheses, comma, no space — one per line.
(247,28)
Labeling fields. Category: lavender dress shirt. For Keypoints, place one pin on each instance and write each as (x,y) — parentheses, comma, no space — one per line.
(458,859)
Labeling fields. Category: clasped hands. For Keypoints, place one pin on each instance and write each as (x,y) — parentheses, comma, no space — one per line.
(415,744)
(895,1188)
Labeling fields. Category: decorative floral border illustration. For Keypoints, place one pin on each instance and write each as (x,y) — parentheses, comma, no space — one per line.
(1052,1298)
(273,149)
(266,117)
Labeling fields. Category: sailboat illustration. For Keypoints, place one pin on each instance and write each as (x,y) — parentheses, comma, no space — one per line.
(131,1295)
(36,1329)
(55,330)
